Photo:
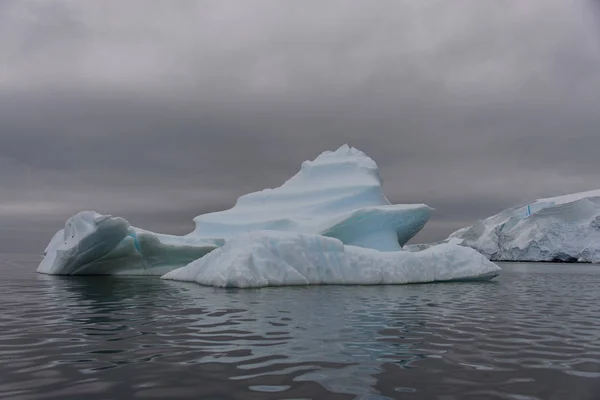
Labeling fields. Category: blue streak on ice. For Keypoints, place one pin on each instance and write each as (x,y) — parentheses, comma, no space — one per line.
(135,241)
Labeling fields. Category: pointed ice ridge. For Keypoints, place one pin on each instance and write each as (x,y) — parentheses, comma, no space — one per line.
(340,188)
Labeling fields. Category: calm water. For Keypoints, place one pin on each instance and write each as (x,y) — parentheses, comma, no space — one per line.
(534,333)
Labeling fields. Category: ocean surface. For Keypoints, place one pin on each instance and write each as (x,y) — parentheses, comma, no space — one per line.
(532,333)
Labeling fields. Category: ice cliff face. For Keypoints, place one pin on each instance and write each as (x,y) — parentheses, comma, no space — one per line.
(564,228)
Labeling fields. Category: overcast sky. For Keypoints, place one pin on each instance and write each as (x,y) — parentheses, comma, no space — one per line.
(158,111)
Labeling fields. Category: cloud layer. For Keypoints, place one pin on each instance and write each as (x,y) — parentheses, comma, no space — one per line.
(158,111)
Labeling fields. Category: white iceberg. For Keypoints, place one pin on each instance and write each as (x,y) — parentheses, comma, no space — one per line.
(271,258)
(94,244)
(564,228)
(339,195)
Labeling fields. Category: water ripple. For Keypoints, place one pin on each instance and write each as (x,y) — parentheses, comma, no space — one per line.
(534,333)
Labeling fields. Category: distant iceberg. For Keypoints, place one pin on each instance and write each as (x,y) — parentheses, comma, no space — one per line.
(335,201)
(564,229)
(271,258)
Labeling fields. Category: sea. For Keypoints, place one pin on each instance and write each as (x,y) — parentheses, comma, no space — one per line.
(531,333)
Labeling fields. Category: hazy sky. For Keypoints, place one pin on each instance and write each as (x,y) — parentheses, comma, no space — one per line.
(161,110)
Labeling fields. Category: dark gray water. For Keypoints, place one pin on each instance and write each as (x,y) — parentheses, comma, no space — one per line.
(533,333)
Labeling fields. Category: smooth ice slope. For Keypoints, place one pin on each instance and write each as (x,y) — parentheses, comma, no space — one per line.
(339,194)
(564,228)
(271,258)
(95,244)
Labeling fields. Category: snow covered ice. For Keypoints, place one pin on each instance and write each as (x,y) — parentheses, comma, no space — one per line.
(271,258)
(564,228)
(332,215)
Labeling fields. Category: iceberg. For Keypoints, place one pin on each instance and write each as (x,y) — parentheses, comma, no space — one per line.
(95,244)
(557,229)
(337,195)
(274,258)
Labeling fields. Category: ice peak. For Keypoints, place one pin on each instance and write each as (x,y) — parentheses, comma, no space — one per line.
(347,157)
(341,187)
(343,152)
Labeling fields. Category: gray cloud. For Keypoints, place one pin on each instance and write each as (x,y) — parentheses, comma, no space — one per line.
(159,111)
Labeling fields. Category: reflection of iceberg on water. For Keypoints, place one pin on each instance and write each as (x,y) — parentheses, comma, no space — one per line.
(328,224)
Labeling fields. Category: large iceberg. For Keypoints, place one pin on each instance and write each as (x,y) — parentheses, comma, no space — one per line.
(328,224)
(564,228)
(338,195)
(271,258)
